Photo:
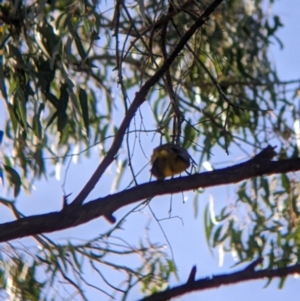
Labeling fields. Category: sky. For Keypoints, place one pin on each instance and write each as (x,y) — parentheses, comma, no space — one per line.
(287,61)
(184,232)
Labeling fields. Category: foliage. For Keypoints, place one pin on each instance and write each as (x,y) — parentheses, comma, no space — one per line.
(69,74)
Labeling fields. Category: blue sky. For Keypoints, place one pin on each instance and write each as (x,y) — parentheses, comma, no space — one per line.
(287,62)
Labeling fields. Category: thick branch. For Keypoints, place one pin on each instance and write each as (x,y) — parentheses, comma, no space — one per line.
(74,216)
(140,97)
(224,279)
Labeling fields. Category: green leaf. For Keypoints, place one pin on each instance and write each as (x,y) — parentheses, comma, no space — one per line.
(223,215)
(62,253)
(13,178)
(77,40)
(208,225)
(17,55)
(285,182)
(189,135)
(281,282)
(39,164)
(2,82)
(74,256)
(49,39)
(84,109)
(53,117)
(13,118)
(217,235)
(19,99)
(62,117)
(196,204)
(37,126)
(53,99)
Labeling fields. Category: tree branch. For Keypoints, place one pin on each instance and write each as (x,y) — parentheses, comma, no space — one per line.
(224,279)
(106,206)
(140,97)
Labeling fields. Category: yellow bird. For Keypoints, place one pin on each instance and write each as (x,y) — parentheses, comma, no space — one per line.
(169,160)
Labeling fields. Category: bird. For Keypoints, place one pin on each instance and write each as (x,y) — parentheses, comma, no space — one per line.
(168,160)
